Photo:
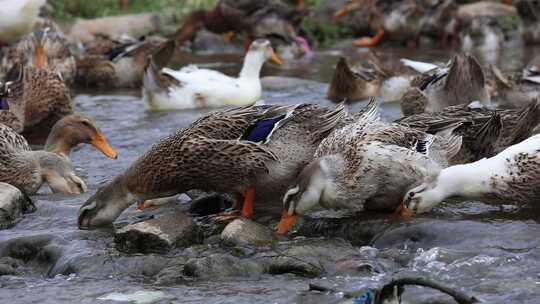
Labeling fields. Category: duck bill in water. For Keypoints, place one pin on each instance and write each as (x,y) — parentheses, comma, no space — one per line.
(286,222)
(100,142)
(403,212)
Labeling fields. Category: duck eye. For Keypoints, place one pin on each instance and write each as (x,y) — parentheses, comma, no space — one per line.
(411,194)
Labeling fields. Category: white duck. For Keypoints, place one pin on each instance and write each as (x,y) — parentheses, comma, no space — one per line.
(192,87)
(512,175)
(17,18)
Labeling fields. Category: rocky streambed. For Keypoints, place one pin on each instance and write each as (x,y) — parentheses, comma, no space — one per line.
(169,255)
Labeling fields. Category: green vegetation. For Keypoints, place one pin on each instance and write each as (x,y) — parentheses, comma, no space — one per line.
(66,10)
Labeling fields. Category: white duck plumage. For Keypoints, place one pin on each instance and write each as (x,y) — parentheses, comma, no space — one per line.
(193,87)
(513,175)
(17,18)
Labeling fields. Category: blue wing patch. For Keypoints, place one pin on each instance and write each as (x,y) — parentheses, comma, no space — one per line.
(4,104)
(259,131)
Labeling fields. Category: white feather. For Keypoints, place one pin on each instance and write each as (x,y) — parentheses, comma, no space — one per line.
(418,66)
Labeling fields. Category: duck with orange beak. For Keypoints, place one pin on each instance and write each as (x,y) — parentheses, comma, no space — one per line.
(366,165)
(251,152)
(73,130)
(191,87)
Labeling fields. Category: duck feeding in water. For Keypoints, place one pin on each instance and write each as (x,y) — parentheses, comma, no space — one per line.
(252,152)
(192,87)
(510,176)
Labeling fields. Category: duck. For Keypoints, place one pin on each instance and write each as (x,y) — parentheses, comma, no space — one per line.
(516,90)
(367,165)
(121,65)
(251,152)
(400,20)
(485,132)
(370,79)
(28,170)
(268,19)
(17,18)
(48,42)
(529,27)
(191,87)
(513,175)
(460,81)
(73,130)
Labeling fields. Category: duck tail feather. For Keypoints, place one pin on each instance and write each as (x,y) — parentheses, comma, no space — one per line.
(370,111)
(526,122)
(487,137)
(418,66)
(330,120)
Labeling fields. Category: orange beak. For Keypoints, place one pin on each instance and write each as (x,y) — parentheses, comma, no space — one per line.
(287,221)
(228,36)
(403,212)
(100,142)
(140,205)
(39,57)
(275,59)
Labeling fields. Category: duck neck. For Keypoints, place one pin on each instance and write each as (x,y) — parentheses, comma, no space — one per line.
(57,144)
(252,65)
(461,181)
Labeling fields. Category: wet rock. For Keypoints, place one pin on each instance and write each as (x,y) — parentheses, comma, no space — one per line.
(310,258)
(358,229)
(9,266)
(13,204)
(284,83)
(158,235)
(247,232)
(38,253)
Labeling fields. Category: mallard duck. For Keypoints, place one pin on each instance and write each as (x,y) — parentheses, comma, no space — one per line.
(47,44)
(75,129)
(192,87)
(402,20)
(39,98)
(369,80)
(461,81)
(518,89)
(513,175)
(485,132)
(17,18)
(529,13)
(28,170)
(233,151)
(120,67)
(269,19)
(367,165)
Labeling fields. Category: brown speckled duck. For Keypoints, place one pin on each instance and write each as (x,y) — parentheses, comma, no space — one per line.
(28,170)
(461,81)
(121,66)
(250,151)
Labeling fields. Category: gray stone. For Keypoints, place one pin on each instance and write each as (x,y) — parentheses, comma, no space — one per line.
(13,204)
(245,232)
(158,235)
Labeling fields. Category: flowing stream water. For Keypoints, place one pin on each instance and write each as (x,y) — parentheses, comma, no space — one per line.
(488,250)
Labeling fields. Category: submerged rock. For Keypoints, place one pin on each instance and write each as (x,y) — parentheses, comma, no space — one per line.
(158,235)
(13,204)
(245,232)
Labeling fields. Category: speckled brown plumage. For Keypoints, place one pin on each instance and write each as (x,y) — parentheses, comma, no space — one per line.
(43,98)
(208,154)
(479,128)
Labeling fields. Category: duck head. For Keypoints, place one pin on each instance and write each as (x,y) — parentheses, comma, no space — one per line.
(263,47)
(39,38)
(59,174)
(105,206)
(74,129)
(312,189)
